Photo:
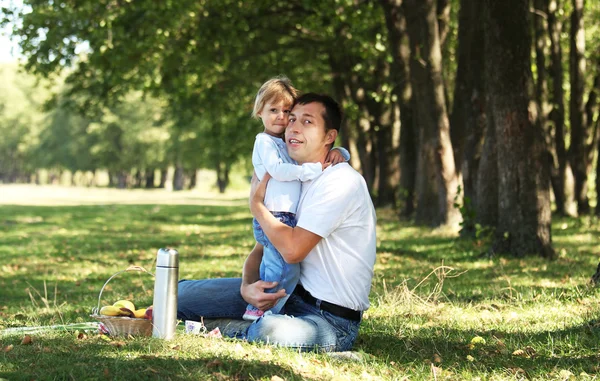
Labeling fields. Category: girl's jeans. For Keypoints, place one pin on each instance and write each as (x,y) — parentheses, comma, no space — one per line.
(272,267)
(304,326)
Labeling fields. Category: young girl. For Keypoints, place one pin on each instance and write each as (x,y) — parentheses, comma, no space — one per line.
(272,105)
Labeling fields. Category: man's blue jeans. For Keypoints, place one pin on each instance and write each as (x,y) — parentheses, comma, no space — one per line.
(303,327)
(272,267)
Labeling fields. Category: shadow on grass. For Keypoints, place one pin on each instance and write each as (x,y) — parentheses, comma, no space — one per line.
(537,355)
(143,359)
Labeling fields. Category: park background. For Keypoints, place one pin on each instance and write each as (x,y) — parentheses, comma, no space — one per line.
(125,127)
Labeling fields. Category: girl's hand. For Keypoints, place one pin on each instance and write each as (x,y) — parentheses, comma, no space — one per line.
(334,157)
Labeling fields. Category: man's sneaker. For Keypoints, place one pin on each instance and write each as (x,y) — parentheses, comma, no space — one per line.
(252,315)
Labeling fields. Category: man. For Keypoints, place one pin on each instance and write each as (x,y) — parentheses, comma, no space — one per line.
(334,241)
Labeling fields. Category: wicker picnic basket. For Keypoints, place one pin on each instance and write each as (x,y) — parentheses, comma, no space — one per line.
(123,325)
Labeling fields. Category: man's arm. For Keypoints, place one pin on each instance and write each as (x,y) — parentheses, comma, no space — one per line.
(253,289)
(293,244)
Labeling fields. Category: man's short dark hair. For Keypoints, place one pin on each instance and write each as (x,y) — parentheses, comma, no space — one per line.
(333,112)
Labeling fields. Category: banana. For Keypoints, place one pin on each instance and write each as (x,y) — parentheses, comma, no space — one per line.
(140,314)
(110,311)
(125,303)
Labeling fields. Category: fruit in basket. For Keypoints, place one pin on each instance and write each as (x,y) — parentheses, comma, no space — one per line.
(126,312)
(125,304)
(110,311)
(140,314)
(149,311)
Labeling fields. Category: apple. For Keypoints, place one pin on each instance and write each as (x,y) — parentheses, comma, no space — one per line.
(148,314)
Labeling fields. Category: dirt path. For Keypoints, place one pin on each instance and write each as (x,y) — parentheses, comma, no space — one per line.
(19,194)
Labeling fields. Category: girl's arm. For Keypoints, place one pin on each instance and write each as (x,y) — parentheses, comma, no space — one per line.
(337,155)
(267,154)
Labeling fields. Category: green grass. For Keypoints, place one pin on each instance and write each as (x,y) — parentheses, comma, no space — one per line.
(439,310)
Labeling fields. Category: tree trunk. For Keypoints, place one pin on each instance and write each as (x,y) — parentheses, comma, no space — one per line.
(598,173)
(386,152)
(524,217)
(111,179)
(364,135)
(222,177)
(137,178)
(577,115)
(149,174)
(178,177)
(561,172)
(541,50)
(467,122)
(346,133)
(437,181)
(122,176)
(443,19)
(591,109)
(486,196)
(163,177)
(400,74)
(193,177)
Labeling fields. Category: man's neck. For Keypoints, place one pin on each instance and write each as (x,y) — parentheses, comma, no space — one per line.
(318,158)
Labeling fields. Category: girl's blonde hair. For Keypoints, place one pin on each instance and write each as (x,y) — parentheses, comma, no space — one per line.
(275,90)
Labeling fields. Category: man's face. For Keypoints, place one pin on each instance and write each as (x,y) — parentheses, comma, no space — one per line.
(305,134)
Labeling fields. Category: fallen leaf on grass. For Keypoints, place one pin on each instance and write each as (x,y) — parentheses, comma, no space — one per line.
(526,352)
(518,371)
(214,363)
(118,344)
(219,376)
(437,358)
(106,372)
(8,348)
(176,347)
(148,369)
(26,340)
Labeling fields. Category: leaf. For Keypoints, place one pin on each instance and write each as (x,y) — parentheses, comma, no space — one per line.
(27,340)
(214,363)
(118,344)
(470,358)
(8,348)
(437,358)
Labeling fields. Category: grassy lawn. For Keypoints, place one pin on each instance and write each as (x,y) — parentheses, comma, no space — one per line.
(439,310)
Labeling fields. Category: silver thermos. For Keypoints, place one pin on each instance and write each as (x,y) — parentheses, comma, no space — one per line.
(165,294)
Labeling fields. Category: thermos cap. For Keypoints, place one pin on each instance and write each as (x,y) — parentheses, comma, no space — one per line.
(167,258)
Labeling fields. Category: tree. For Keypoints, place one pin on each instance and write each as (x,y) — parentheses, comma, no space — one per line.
(523,189)
(561,176)
(437,180)
(577,115)
(467,121)
(400,76)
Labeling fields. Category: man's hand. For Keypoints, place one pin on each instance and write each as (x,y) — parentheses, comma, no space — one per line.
(254,293)
(334,157)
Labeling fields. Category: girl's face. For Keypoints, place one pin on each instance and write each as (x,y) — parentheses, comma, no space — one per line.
(275,117)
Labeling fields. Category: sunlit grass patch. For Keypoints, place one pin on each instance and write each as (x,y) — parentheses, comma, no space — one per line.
(439,308)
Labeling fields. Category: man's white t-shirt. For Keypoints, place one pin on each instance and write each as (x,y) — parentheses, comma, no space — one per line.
(283,190)
(337,206)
